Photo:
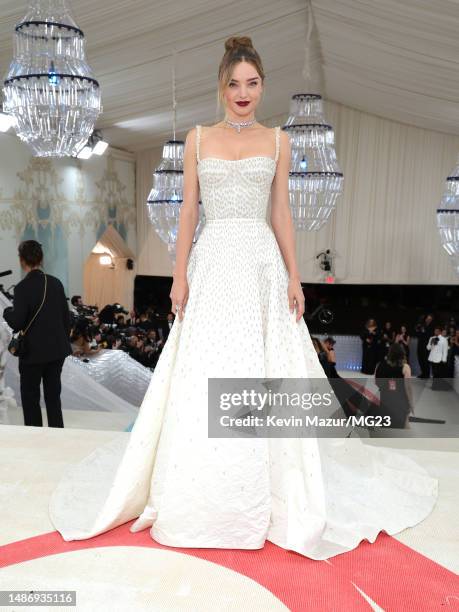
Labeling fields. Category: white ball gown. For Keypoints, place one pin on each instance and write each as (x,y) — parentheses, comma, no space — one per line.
(317,496)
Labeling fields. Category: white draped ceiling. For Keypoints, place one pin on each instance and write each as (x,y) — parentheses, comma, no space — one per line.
(396,59)
(381,62)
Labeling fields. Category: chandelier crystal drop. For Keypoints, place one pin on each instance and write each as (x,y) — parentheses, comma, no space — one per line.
(166,196)
(315,178)
(50,89)
(448,217)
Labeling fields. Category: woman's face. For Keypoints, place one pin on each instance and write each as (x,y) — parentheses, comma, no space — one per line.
(244,86)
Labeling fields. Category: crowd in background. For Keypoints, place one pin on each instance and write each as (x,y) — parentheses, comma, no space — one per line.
(386,356)
(385,352)
(142,335)
(437,345)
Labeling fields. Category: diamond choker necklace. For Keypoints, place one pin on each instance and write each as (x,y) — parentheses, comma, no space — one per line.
(238,125)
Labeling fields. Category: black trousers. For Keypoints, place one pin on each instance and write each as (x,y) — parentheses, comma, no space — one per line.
(439,373)
(424,363)
(31,376)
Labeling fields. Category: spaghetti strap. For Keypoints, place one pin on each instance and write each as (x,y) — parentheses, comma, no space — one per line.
(277,142)
(198,140)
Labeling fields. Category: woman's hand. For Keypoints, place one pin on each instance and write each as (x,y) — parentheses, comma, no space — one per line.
(179,296)
(295,297)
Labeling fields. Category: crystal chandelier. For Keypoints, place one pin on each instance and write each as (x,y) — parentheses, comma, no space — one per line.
(50,90)
(448,217)
(315,179)
(166,196)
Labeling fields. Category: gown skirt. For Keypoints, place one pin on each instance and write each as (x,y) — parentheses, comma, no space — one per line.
(317,496)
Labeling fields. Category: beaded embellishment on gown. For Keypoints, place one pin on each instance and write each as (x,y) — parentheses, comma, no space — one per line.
(318,497)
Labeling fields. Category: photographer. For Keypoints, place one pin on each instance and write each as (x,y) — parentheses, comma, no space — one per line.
(153,347)
(109,312)
(82,343)
(329,345)
(164,327)
(76,303)
(120,322)
(134,348)
(438,347)
(145,323)
(47,339)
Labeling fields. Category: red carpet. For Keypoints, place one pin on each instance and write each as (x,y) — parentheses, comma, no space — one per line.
(391,574)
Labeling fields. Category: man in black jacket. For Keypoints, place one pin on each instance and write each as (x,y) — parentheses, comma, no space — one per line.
(47,339)
(424,330)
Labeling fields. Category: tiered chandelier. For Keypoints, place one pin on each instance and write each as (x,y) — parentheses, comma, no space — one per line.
(166,196)
(448,217)
(50,90)
(315,178)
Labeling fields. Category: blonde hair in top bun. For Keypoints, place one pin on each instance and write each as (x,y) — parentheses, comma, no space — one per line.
(237,49)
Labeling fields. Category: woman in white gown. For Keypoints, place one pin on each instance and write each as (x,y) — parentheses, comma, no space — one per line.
(240,306)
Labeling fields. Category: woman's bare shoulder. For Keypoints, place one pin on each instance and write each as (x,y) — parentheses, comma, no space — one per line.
(406,369)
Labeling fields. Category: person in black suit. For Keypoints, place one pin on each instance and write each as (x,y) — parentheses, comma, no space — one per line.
(47,339)
(424,330)
(165,327)
(371,338)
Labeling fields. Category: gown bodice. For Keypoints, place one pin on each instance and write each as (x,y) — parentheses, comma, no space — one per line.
(237,188)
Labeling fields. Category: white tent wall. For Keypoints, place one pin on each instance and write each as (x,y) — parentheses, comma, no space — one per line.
(384,229)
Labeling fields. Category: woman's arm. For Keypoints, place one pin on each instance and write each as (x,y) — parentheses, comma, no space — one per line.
(281,217)
(282,225)
(408,388)
(189,211)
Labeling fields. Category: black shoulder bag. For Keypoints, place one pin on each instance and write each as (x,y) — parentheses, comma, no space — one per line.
(17,344)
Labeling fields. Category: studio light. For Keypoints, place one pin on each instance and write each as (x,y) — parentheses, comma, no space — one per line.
(95,146)
(85,153)
(100,147)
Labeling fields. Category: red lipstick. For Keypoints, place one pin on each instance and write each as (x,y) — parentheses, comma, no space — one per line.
(242,103)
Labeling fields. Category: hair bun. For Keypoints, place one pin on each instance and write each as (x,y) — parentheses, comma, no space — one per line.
(235,42)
